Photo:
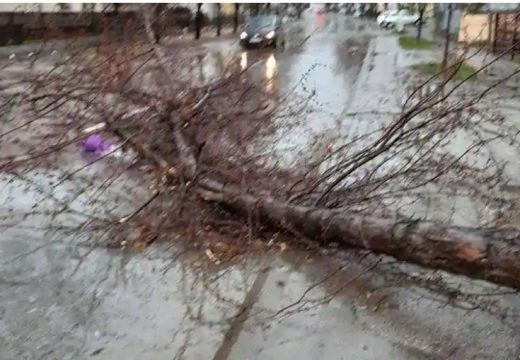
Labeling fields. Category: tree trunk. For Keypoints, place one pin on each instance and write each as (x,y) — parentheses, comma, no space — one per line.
(420,24)
(198,21)
(492,255)
(447,40)
(235,18)
(219,20)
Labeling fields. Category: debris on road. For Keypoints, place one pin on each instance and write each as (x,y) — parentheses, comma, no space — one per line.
(95,143)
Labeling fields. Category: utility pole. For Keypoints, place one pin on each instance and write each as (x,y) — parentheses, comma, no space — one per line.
(447,40)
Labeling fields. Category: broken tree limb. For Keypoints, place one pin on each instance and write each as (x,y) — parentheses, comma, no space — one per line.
(492,255)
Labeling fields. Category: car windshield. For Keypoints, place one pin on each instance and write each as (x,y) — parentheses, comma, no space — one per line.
(262,21)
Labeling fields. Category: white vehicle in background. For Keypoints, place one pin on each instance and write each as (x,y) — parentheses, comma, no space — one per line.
(392,18)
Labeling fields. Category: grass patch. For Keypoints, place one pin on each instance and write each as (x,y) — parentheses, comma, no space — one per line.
(432,68)
(411,43)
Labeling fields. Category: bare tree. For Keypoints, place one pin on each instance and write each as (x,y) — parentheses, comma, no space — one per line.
(195,148)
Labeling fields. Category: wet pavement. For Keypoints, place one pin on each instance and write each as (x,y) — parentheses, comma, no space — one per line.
(319,65)
(64,297)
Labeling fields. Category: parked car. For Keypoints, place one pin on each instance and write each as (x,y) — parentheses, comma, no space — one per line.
(392,18)
(262,30)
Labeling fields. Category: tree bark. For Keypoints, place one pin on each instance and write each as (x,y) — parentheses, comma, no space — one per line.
(420,24)
(492,255)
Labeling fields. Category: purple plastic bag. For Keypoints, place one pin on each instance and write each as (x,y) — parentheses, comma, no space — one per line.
(94,143)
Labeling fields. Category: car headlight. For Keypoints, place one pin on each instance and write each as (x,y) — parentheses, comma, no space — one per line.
(243,35)
(270,35)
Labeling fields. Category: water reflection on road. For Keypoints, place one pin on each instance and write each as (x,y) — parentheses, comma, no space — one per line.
(319,65)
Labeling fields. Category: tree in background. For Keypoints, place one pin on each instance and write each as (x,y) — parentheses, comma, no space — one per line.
(235,17)
(219,19)
(198,21)
(422,7)
(444,63)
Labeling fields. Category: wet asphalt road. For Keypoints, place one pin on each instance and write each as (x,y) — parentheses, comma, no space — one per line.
(321,61)
(63,299)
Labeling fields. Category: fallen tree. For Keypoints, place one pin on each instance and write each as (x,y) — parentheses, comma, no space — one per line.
(198,149)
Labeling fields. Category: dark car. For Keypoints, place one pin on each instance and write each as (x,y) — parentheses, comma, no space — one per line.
(262,30)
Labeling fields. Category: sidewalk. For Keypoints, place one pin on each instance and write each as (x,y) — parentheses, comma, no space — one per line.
(385,81)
